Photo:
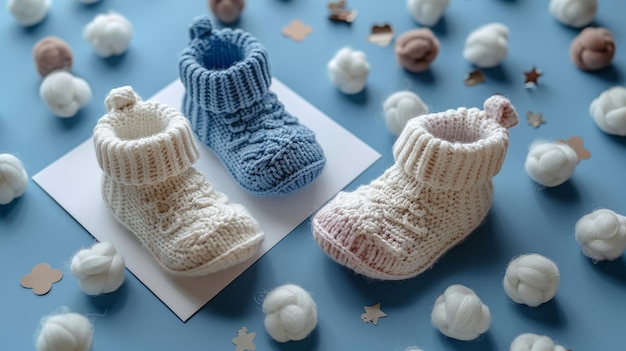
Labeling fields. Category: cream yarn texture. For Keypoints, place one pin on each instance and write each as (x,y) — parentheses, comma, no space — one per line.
(29,12)
(460,314)
(609,111)
(550,163)
(574,13)
(400,107)
(13,178)
(109,34)
(99,269)
(531,279)
(487,46)
(290,313)
(427,12)
(534,342)
(348,70)
(602,234)
(64,94)
(65,331)
(146,151)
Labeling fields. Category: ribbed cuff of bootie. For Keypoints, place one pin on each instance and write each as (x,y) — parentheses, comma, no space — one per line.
(142,143)
(457,148)
(224,70)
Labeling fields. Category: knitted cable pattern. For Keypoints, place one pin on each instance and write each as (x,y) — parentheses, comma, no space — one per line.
(231,109)
(437,192)
(146,151)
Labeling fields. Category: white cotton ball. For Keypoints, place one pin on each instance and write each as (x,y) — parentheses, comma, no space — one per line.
(602,234)
(574,13)
(64,94)
(487,46)
(400,107)
(28,12)
(65,332)
(534,342)
(609,111)
(99,269)
(13,178)
(427,12)
(459,314)
(290,313)
(348,70)
(531,279)
(550,163)
(109,34)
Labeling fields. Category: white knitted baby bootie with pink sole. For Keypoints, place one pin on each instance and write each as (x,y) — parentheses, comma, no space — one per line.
(437,192)
(146,151)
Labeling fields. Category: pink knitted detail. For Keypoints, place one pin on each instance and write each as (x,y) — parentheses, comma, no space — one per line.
(499,108)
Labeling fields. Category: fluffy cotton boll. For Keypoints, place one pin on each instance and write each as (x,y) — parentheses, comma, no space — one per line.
(65,331)
(51,54)
(459,314)
(592,49)
(400,107)
(348,70)
(64,94)
(574,13)
(602,235)
(290,313)
(13,178)
(550,163)
(427,12)
(487,46)
(28,12)
(99,269)
(534,342)
(109,34)
(609,111)
(531,280)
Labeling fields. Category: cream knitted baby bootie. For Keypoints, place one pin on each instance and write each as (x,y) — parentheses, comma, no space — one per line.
(437,192)
(146,150)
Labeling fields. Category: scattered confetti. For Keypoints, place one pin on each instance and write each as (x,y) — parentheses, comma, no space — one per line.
(576,143)
(244,340)
(474,77)
(532,78)
(41,278)
(535,119)
(297,30)
(372,313)
(339,12)
(381,35)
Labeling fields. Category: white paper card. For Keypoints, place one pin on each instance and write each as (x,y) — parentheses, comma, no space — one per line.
(73,181)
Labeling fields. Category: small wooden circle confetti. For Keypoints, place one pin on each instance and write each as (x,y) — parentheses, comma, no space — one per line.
(372,313)
(297,30)
(41,278)
(244,340)
(381,35)
(577,144)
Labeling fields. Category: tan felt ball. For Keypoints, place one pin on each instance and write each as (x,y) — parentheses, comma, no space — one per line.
(416,49)
(51,53)
(592,49)
(227,11)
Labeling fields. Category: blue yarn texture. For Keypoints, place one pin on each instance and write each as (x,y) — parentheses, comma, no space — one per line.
(231,109)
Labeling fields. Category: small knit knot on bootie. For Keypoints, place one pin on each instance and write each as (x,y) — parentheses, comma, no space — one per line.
(231,109)
(438,191)
(146,151)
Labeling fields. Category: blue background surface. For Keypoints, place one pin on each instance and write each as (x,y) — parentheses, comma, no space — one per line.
(589,311)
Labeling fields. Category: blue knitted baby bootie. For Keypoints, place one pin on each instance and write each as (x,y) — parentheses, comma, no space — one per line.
(227,77)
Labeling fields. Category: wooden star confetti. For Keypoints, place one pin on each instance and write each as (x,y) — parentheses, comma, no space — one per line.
(576,143)
(532,78)
(381,35)
(474,77)
(244,340)
(372,313)
(535,119)
(297,30)
(339,12)
(41,278)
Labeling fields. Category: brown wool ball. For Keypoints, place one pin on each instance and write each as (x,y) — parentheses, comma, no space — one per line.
(51,53)
(227,11)
(592,49)
(416,49)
